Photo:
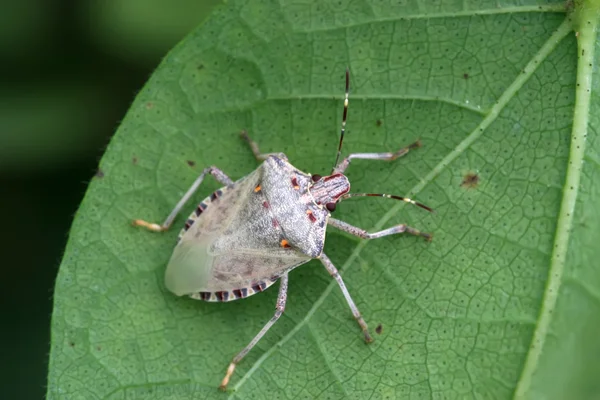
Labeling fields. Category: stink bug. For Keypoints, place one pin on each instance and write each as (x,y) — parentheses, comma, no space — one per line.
(245,236)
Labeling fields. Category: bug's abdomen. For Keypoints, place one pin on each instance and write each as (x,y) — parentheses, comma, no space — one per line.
(237,276)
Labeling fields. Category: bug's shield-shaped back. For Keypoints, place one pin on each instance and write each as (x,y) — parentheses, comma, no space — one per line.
(302,222)
(237,241)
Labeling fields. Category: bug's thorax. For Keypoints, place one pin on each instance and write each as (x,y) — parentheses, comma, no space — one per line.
(328,189)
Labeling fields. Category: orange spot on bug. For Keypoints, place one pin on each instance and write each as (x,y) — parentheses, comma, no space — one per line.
(285,244)
(257,189)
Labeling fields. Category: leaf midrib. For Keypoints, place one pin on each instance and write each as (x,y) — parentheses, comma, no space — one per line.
(583,90)
(561,32)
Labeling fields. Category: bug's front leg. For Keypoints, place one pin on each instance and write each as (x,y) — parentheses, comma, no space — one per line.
(279,309)
(256,150)
(361,233)
(341,167)
(336,275)
(219,175)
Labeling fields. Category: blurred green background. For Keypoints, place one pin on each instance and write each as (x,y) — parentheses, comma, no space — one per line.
(70,69)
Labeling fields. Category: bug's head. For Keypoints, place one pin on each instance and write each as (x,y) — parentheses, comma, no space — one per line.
(328,190)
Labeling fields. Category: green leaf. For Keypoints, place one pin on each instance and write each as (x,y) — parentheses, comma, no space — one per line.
(503,303)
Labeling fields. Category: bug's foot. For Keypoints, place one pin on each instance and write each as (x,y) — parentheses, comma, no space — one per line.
(427,236)
(416,232)
(415,145)
(244,135)
(228,374)
(368,337)
(148,225)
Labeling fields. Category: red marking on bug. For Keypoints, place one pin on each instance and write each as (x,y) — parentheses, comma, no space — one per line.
(311,216)
(265,204)
(275,223)
(285,244)
(205,296)
(257,189)
(295,183)
(222,296)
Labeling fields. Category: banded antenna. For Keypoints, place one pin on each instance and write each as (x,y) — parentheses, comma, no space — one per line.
(344,117)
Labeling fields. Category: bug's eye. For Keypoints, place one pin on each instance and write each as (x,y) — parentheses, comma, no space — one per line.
(316,178)
(330,207)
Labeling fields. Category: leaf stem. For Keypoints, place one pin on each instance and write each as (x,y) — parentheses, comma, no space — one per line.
(585,24)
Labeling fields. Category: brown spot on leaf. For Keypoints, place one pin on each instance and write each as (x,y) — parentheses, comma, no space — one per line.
(466,76)
(99,173)
(191,163)
(378,122)
(470,180)
(379,329)
(134,160)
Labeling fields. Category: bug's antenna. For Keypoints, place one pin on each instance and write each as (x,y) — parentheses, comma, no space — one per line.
(344,116)
(389,196)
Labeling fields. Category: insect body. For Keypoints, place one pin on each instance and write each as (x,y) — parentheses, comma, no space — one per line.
(252,232)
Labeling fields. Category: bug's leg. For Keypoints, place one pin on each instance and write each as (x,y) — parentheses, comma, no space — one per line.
(279,308)
(336,275)
(361,233)
(214,171)
(341,167)
(256,151)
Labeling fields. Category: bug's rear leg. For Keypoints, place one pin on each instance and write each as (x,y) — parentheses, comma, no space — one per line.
(279,309)
(219,175)
(341,167)
(255,149)
(336,275)
(361,233)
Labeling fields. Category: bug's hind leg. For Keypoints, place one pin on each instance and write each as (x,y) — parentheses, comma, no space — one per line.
(361,233)
(255,149)
(336,275)
(219,175)
(341,167)
(279,308)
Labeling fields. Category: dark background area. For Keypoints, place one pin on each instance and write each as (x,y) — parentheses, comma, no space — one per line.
(70,70)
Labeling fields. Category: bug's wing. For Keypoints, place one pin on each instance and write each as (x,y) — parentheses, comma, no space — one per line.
(233,244)
(194,269)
